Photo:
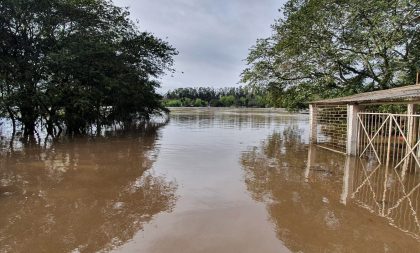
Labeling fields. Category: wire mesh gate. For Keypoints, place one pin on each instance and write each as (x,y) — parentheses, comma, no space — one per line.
(389,182)
(390,139)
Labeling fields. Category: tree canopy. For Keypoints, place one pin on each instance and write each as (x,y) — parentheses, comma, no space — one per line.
(328,48)
(76,63)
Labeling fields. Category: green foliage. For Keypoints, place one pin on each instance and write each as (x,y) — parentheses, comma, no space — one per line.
(187,102)
(215,103)
(227,101)
(224,97)
(173,103)
(199,103)
(328,48)
(77,63)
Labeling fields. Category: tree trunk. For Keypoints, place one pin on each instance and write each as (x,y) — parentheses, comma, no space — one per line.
(28,120)
(12,117)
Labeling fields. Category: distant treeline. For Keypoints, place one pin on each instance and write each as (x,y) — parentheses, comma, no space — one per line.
(222,97)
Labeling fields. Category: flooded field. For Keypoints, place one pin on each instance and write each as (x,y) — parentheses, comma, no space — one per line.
(212,180)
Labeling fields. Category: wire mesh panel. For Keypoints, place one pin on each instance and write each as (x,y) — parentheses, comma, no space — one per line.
(390,139)
(373,134)
(332,127)
(390,177)
(382,190)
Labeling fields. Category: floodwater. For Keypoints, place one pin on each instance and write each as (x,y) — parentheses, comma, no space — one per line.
(212,180)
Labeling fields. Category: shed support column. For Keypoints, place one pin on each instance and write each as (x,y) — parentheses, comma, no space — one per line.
(313,111)
(352,124)
(347,179)
(410,137)
(311,161)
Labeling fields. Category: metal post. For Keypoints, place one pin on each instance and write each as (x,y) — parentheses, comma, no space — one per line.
(352,124)
(313,110)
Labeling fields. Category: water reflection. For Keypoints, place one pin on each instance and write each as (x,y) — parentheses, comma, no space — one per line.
(85,195)
(315,204)
(384,191)
(223,118)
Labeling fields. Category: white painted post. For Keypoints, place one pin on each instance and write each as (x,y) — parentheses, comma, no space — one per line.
(410,137)
(313,124)
(347,179)
(310,162)
(352,124)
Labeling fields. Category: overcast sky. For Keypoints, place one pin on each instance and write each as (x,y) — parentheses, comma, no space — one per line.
(212,36)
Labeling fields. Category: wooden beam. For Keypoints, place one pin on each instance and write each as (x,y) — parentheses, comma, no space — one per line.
(331,149)
(373,102)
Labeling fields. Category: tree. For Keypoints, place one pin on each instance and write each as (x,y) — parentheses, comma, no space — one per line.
(199,103)
(327,48)
(77,64)
(227,100)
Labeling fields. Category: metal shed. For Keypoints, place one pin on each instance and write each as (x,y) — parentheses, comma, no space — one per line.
(346,125)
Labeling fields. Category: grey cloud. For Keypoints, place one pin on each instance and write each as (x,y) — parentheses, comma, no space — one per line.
(212,36)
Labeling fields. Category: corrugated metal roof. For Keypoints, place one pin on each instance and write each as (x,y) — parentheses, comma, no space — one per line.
(410,93)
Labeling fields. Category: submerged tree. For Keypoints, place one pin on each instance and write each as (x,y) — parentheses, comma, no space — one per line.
(77,63)
(328,48)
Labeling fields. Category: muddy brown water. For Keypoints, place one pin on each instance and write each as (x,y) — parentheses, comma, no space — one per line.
(212,180)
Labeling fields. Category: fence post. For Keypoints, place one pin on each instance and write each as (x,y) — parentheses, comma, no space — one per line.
(410,137)
(388,153)
(313,111)
(310,162)
(352,125)
(347,179)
